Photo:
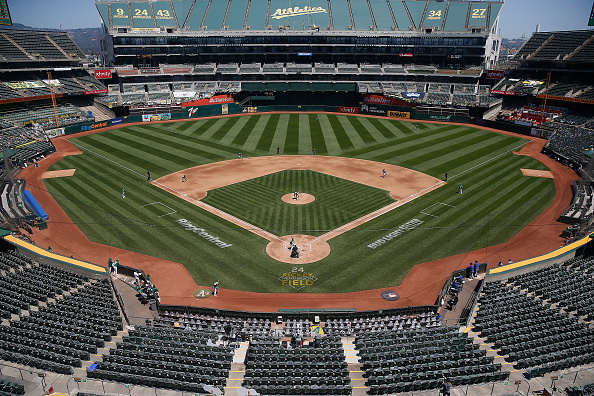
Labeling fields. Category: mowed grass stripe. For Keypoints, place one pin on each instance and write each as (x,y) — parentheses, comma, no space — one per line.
(444,150)
(251,142)
(246,131)
(480,155)
(364,134)
(234,130)
(464,149)
(371,128)
(356,135)
(224,127)
(120,154)
(332,144)
(422,144)
(291,144)
(214,127)
(280,133)
(342,137)
(317,136)
(305,146)
(208,149)
(372,151)
(265,141)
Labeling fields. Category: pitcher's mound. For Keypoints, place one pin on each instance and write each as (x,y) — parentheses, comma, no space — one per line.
(279,250)
(303,199)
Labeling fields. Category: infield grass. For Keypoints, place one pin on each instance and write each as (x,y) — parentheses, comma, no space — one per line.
(496,203)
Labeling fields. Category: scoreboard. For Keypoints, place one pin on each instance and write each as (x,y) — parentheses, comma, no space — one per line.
(4,13)
(591,22)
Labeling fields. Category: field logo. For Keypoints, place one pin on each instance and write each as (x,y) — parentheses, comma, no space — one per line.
(297,278)
(192,111)
(296,11)
(410,225)
(200,231)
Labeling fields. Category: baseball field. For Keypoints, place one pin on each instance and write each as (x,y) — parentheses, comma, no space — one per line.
(189,222)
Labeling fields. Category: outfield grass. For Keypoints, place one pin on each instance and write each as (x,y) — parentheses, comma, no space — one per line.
(337,202)
(497,201)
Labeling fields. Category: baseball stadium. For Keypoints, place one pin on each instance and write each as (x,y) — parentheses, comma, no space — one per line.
(325,197)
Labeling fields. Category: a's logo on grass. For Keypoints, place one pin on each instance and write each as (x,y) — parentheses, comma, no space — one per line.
(202,293)
(202,232)
(297,278)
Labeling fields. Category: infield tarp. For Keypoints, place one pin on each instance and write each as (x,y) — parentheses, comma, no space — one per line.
(34,205)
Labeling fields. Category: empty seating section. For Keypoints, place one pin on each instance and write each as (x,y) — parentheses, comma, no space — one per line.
(9,388)
(435,87)
(437,98)
(250,68)
(347,68)
(273,68)
(372,324)
(167,358)
(571,141)
(133,98)
(382,15)
(563,285)
(367,68)
(529,331)
(389,68)
(417,359)
(318,368)
(562,44)
(44,114)
(236,14)
(9,51)
(582,206)
(324,68)
(584,54)
(298,68)
(230,87)
(230,68)
(361,15)
(74,315)
(66,44)
(205,69)
(464,99)
(38,45)
(532,45)
(6,92)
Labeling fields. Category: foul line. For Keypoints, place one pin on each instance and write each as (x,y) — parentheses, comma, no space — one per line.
(105,158)
(491,159)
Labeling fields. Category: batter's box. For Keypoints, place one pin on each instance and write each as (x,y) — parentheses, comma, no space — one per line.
(161,208)
(436,209)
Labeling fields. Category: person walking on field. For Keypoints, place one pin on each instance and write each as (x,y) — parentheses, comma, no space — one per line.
(115,268)
(123,193)
(215,288)
(110,265)
(384,173)
(460,189)
(148,176)
(184,178)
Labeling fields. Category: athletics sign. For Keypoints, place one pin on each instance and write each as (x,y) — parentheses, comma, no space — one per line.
(296,11)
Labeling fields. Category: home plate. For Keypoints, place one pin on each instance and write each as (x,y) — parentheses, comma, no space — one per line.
(537,173)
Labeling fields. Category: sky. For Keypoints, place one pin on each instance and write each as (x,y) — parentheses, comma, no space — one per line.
(517,16)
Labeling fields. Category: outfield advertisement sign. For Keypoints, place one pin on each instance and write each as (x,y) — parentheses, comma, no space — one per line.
(348,110)
(156,117)
(413,95)
(398,114)
(101,74)
(495,74)
(217,99)
(116,121)
(53,133)
(97,91)
(498,92)
(96,125)
(369,109)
